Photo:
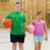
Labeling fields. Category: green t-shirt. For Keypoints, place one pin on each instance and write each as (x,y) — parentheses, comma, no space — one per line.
(18,19)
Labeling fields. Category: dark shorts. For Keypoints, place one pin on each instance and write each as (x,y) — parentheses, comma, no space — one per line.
(17,38)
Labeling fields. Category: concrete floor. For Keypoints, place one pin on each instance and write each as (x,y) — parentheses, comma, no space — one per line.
(5,43)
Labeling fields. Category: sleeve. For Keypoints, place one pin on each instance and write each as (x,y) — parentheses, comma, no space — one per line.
(24,19)
(8,16)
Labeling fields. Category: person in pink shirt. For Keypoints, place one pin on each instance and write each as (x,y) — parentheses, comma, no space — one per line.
(40,29)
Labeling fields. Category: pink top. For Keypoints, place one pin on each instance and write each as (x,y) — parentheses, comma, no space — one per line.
(39,27)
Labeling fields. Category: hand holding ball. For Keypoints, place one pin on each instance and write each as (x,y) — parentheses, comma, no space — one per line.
(7,23)
(31,29)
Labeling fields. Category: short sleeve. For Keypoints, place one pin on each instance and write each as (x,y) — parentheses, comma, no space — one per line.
(8,16)
(24,19)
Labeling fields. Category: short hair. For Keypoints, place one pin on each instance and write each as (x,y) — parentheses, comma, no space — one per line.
(39,12)
(17,3)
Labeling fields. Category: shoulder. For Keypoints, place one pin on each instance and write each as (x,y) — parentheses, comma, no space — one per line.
(13,12)
(10,12)
(44,21)
(33,21)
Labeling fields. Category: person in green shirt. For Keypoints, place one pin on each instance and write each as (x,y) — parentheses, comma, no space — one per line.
(17,32)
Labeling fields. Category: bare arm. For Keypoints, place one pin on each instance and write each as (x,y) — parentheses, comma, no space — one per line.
(3,20)
(46,35)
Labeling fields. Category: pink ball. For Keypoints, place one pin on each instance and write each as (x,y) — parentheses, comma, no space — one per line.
(31,28)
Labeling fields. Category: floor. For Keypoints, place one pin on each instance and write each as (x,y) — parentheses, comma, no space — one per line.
(5,43)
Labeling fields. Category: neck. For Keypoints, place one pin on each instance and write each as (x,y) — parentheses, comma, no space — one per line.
(39,19)
(17,11)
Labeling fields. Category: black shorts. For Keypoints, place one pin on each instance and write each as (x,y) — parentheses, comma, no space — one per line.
(17,38)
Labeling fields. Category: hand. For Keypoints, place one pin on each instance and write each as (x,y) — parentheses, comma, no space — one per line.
(24,35)
(27,30)
(4,26)
(46,38)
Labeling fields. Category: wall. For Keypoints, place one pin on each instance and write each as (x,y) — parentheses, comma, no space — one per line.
(30,7)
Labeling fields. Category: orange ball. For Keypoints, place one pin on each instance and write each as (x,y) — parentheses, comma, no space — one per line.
(7,23)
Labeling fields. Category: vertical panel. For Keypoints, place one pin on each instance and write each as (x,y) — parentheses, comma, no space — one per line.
(40,5)
(44,9)
(27,9)
(30,10)
(23,5)
(48,13)
(35,8)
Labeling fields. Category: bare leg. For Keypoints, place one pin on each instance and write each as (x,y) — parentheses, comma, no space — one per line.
(21,46)
(13,46)
(40,45)
(37,45)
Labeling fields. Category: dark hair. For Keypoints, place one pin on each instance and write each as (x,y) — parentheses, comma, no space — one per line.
(17,3)
(39,12)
